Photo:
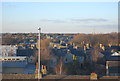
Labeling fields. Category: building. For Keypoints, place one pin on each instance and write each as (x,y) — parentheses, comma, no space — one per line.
(8,50)
(113,65)
(16,65)
(13,65)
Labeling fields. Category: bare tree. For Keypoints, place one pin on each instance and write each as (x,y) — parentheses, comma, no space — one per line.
(11,52)
(44,48)
(59,68)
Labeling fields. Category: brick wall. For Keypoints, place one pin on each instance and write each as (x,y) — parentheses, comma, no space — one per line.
(18,76)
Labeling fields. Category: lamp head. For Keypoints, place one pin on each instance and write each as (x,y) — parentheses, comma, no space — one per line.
(39,28)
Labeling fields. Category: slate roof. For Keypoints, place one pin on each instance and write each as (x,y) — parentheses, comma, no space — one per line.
(108,54)
(77,53)
(113,58)
(25,52)
(115,47)
(58,52)
(63,52)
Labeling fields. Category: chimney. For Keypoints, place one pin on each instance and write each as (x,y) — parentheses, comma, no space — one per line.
(84,49)
(107,70)
(73,44)
(83,42)
(109,45)
(87,45)
(36,72)
(75,47)
(68,51)
(55,46)
(100,45)
(103,48)
(66,44)
(61,42)
(36,65)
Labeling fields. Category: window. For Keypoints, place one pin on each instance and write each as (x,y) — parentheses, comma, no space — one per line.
(17,59)
(13,59)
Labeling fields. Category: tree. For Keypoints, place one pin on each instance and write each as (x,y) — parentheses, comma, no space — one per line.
(59,68)
(44,49)
(8,41)
(105,39)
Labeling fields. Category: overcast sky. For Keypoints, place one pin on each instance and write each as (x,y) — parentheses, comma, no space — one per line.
(60,17)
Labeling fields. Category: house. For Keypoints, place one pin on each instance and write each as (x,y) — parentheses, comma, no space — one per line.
(79,54)
(112,64)
(53,61)
(68,57)
(8,50)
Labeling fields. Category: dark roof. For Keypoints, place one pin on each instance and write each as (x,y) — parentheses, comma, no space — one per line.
(108,50)
(109,57)
(77,53)
(63,52)
(59,52)
(115,47)
(25,52)
(106,53)
(63,44)
(113,58)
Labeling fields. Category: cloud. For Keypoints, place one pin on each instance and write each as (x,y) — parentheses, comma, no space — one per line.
(89,20)
(105,26)
(53,20)
(73,20)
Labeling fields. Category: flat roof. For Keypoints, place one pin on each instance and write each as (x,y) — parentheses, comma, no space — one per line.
(13,57)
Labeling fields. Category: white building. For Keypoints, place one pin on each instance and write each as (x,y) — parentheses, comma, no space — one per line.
(8,50)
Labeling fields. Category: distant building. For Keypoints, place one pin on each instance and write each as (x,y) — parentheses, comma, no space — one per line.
(8,50)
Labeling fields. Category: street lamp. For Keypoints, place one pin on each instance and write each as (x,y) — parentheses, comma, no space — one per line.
(39,72)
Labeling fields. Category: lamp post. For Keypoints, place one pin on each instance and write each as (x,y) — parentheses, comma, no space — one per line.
(39,72)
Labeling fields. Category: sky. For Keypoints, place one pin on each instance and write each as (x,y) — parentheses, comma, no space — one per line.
(60,17)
